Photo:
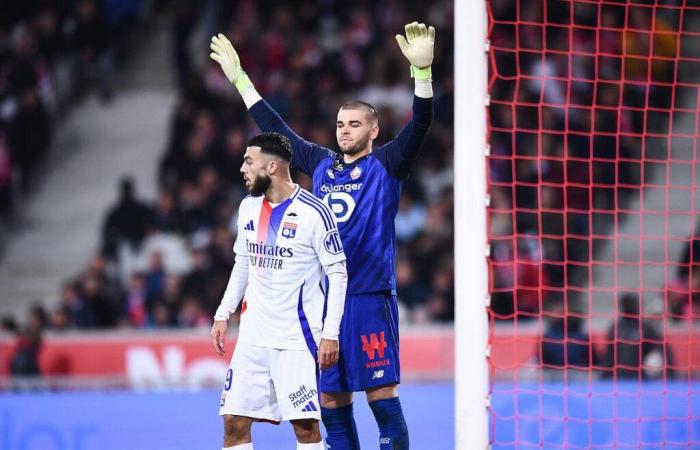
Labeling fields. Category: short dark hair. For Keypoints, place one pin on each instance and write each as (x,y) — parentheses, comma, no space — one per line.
(363,106)
(274,144)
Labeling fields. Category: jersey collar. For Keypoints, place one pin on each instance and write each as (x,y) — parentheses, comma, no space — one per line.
(285,203)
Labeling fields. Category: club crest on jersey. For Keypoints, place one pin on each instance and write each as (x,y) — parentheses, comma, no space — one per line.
(330,174)
(337,165)
(356,172)
(289,230)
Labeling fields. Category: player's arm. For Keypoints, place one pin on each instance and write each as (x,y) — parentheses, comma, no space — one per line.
(329,350)
(417,46)
(305,155)
(235,289)
(329,249)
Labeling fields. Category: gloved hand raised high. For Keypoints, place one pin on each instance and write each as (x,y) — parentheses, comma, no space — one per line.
(417,47)
(224,53)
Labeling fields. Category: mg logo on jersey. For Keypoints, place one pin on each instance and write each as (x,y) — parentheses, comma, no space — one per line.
(289,230)
(332,243)
(373,345)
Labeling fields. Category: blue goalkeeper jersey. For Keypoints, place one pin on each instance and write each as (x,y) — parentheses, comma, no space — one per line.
(364,195)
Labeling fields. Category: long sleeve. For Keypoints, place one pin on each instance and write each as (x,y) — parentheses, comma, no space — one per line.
(235,289)
(398,155)
(305,155)
(337,286)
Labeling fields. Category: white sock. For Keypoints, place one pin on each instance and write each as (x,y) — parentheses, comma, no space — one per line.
(248,446)
(313,446)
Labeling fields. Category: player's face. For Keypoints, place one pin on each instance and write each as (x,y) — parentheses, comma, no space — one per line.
(354,130)
(254,170)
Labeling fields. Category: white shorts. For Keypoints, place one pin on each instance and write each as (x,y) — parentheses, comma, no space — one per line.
(270,384)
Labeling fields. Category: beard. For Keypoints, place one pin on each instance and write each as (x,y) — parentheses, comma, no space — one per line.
(259,185)
(359,145)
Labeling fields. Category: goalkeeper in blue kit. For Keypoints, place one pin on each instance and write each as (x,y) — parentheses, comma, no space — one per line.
(361,185)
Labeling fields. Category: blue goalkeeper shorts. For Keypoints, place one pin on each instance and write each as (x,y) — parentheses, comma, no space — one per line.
(369,345)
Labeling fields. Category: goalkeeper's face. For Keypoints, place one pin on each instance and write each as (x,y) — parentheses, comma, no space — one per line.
(355,131)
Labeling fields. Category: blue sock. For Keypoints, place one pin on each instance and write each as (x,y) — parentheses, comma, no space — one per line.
(341,429)
(393,432)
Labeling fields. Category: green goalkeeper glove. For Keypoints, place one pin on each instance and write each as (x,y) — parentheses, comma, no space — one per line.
(224,53)
(417,47)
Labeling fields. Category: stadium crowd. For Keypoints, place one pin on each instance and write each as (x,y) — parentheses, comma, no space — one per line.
(166,263)
(49,52)
(577,108)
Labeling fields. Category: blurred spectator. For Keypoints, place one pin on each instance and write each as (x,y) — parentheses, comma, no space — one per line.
(102,305)
(410,218)
(440,303)
(25,358)
(636,347)
(136,303)
(29,135)
(5,177)
(183,25)
(193,314)
(91,38)
(684,289)
(565,350)
(412,291)
(196,283)
(8,325)
(61,319)
(127,222)
(167,217)
(167,306)
(154,278)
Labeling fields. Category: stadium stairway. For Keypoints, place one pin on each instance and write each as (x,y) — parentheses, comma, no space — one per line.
(663,214)
(94,147)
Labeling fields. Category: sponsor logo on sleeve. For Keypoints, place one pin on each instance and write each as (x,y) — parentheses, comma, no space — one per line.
(332,242)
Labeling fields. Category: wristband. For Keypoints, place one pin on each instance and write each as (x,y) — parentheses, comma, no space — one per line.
(421,74)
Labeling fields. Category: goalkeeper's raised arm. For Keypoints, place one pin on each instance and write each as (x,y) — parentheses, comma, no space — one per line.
(417,47)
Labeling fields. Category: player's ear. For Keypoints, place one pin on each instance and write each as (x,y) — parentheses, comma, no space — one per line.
(374,131)
(272,167)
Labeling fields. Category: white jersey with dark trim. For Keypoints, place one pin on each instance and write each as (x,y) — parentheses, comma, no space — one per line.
(286,246)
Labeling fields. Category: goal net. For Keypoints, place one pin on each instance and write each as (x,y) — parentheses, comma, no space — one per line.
(594,243)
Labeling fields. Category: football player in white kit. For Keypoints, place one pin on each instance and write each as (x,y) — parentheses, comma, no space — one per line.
(290,318)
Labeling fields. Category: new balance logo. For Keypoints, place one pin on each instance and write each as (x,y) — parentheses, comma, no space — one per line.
(309,407)
(377,374)
(250,226)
